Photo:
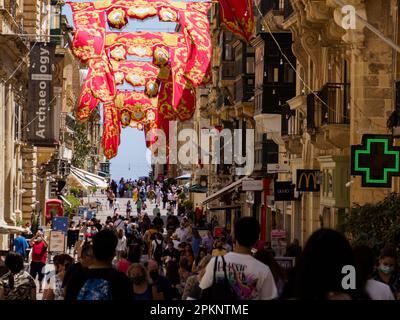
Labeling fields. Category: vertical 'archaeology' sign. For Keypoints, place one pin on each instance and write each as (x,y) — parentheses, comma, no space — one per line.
(40,118)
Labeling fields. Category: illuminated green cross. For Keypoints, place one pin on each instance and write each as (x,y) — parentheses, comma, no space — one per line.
(376,161)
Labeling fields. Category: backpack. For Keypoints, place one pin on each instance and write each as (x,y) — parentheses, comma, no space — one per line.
(221,290)
(95,289)
(158,251)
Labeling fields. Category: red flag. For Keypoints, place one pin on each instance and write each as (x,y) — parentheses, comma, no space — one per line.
(238,17)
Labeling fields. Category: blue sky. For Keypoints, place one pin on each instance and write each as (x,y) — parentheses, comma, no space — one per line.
(131,159)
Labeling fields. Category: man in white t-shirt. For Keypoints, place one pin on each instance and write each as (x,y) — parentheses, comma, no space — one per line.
(182,232)
(250,278)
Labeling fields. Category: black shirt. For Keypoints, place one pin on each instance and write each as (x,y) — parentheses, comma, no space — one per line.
(164,286)
(157,221)
(74,280)
(121,288)
(174,253)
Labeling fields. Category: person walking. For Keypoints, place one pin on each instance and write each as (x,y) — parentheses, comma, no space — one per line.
(318,274)
(364,263)
(101,281)
(387,271)
(253,280)
(21,245)
(196,242)
(71,237)
(39,257)
(141,286)
(128,209)
(139,206)
(158,196)
(164,199)
(122,244)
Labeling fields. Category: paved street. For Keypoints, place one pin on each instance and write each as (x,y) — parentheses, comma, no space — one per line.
(104,210)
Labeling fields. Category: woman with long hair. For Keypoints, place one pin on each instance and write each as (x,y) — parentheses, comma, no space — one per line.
(141,285)
(122,244)
(201,255)
(196,241)
(318,274)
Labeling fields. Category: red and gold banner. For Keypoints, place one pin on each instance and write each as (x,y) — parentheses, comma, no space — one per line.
(136,107)
(196,30)
(162,88)
(238,17)
(111,130)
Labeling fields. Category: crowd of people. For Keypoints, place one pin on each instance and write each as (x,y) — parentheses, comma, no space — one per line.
(135,257)
(166,196)
(134,260)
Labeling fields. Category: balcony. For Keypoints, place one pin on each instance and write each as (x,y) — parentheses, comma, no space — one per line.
(282,7)
(274,10)
(328,115)
(274,97)
(292,131)
(244,88)
(336,106)
(67,122)
(227,71)
(266,152)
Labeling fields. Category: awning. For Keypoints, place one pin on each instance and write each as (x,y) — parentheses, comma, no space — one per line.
(184,177)
(197,188)
(87,179)
(66,201)
(223,190)
(224,207)
(6,229)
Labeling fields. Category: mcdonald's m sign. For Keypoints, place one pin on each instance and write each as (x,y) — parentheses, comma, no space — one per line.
(307,181)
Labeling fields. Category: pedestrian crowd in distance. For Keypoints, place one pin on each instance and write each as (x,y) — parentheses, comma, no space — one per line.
(138,258)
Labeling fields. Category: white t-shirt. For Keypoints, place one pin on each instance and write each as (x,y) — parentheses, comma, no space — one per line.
(251,279)
(378,290)
(182,233)
(121,246)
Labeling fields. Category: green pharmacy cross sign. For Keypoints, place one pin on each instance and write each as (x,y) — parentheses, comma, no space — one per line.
(376,160)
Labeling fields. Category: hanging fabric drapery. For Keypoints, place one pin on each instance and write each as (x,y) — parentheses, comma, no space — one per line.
(238,17)
(145,79)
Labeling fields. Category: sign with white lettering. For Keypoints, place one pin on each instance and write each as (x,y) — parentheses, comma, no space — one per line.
(277,168)
(252,185)
(40,120)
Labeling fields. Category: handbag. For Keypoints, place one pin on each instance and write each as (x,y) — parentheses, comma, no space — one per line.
(219,290)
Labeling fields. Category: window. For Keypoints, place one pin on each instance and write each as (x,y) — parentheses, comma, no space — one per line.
(17,122)
(228,52)
(276,74)
(272,73)
(250,65)
(281,4)
(288,73)
(55,17)
(228,36)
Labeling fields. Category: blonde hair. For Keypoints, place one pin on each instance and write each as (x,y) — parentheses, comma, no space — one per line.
(204,261)
(142,270)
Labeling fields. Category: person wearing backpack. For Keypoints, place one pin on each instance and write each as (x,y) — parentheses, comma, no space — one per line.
(238,275)
(157,248)
(102,282)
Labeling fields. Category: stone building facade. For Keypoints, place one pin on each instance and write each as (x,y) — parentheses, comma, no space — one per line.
(347,90)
